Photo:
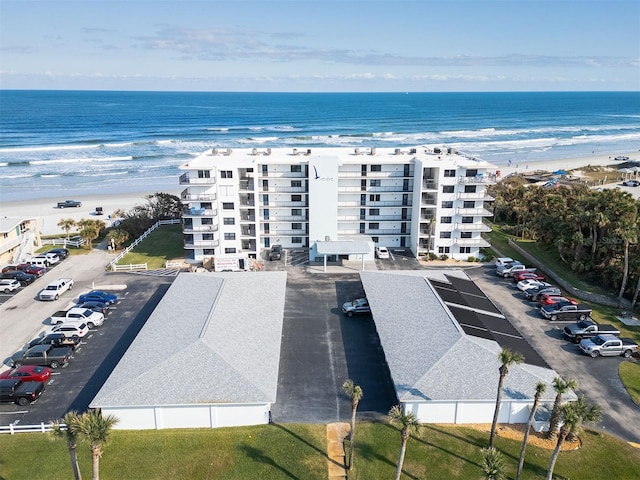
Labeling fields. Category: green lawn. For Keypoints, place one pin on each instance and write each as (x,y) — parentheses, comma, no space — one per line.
(630,375)
(164,243)
(299,451)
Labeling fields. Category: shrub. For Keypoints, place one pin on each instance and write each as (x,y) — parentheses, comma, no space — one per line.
(444,257)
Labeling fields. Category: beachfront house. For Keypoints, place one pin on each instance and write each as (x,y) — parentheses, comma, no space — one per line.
(20,237)
(335,204)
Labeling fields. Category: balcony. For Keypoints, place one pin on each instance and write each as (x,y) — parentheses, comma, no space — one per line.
(373,218)
(472,227)
(475,196)
(247,184)
(199,212)
(369,189)
(201,244)
(185,196)
(471,242)
(247,232)
(429,185)
(484,179)
(186,179)
(373,203)
(272,174)
(375,233)
(199,228)
(247,218)
(376,175)
(476,212)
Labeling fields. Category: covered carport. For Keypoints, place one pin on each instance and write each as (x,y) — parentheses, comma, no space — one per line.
(328,248)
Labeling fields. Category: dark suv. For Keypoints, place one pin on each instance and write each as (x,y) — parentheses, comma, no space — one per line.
(276,252)
(534,294)
(61,252)
(23,278)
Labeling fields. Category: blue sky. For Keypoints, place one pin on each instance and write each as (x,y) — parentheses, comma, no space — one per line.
(320,46)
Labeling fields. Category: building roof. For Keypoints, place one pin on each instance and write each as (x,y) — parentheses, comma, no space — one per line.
(196,348)
(9,223)
(430,357)
(343,247)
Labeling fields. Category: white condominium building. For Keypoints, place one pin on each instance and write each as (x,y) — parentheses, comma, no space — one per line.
(338,203)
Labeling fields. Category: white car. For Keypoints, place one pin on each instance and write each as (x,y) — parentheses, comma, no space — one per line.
(382,252)
(530,283)
(71,329)
(502,261)
(56,288)
(9,285)
(45,259)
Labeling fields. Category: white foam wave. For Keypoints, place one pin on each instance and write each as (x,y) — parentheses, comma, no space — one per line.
(80,160)
(48,148)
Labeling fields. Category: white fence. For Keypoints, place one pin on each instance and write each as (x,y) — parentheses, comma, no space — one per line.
(13,429)
(112,263)
(64,242)
(130,267)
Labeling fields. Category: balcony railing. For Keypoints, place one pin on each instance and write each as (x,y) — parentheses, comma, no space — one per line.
(369,189)
(201,244)
(199,212)
(471,242)
(478,179)
(476,212)
(472,227)
(373,203)
(186,179)
(394,174)
(380,231)
(475,196)
(199,228)
(197,197)
(429,186)
(373,218)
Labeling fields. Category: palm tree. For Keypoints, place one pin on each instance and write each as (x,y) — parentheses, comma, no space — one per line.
(507,358)
(561,387)
(492,464)
(67,224)
(118,236)
(90,229)
(540,389)
(573,415)
(67,429)
(93,427)
(355,393)
(408,424)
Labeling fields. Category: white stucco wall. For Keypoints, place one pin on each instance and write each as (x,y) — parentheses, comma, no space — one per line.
(468,411)
(189,416)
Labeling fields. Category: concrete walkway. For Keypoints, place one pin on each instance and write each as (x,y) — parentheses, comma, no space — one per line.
(336,433)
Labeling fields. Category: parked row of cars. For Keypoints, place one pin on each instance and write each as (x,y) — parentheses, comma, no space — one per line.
(15,276)
(593,339)
(31,367)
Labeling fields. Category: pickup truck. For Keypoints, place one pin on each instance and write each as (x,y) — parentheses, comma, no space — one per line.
(56,288)
(45,355)
(565,312)
(608,346)
(20,392)
(77,314)
(69,204)
(587,329)
(510,269)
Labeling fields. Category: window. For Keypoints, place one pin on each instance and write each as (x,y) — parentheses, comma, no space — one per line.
(296,168)
(444,249)
(226,173)
(296,212)
(266,229)
(362,228)
(296,239)
(374,226)
(265,169)
(445,234)
(469,189)
(208,251)
(447,188)
(447,204)
(206,221)
(472,172)
(207,236)
(229,236)
(376,168)
(296,183)
(375,239)
(296,226)
(446,219)
(227,205)
(363,184)
(374,183)
(465,234)
(204,174)
(267,242)
(265,199)
(465,249)
(469,204)
(467,219)
(229,221)
(229,250)
(265,214)
(265,185)
(374,198)
(374,211)
(296,198)
(363,198)
(449,173)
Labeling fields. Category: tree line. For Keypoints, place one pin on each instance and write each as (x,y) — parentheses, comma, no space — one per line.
(595,233)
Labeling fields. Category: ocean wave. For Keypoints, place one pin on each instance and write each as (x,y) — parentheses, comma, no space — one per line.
(79,160)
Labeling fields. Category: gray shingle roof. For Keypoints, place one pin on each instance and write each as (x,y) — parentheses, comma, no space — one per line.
(428,354)
(213,338)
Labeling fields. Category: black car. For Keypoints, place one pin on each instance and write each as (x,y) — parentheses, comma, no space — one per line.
(276,252)
(61,252)
(23,278)
(56,339)
(100,307)
(22,393)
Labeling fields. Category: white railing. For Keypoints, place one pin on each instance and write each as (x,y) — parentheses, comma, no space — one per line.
(111,264)
(13,429)
(64,242)
(173,264)
(130,267)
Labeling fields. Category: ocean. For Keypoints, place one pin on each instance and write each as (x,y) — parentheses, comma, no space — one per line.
(71,143)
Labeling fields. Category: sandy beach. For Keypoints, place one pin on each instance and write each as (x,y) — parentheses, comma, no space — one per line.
(45,209)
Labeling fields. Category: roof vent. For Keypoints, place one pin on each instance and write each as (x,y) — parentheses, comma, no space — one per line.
(269,151)
(254,151)
(308,151)
(214,151)
(295,151)
(437,150)
(398,152)
(373,150)
(357,150)
(413,151)
(229,151)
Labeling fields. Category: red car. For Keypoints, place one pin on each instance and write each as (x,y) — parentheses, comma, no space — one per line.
(28,373)
(32,269)
(551,299)
(528,276)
